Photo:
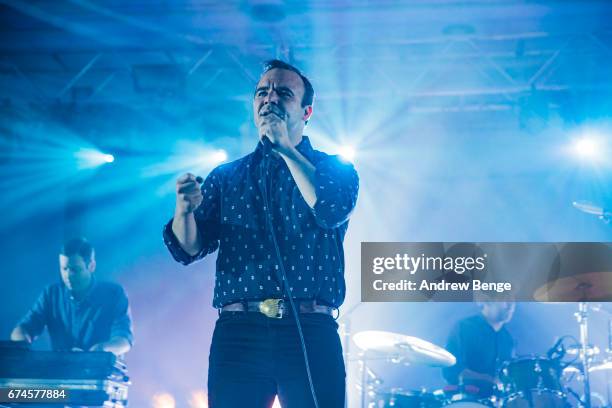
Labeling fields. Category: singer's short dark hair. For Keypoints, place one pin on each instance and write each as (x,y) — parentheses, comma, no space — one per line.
(308,97)
(78,246)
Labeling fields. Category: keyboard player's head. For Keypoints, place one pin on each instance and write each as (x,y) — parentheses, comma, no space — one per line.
(77,266)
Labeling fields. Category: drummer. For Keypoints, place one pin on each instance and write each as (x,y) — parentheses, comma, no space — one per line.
(481,343)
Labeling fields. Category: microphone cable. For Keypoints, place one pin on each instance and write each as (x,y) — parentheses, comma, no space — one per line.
(267,144)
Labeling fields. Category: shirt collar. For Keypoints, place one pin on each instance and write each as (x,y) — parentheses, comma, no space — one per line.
(87,294)
(303,147)
(485,322)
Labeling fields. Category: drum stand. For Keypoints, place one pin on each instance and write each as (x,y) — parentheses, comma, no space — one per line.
(582,319)
(369,381)
(364,382)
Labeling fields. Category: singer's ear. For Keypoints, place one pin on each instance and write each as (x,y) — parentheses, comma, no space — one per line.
(307,113)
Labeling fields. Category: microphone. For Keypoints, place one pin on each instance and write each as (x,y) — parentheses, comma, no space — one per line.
(557,350)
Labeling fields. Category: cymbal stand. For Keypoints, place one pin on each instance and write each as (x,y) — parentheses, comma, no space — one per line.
(369,381)
(365,386)
(608,351)
(582,319)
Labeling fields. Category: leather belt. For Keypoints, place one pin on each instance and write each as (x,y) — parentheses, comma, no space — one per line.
(277,308)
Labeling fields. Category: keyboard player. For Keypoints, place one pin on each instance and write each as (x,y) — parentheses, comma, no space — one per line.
(80,312)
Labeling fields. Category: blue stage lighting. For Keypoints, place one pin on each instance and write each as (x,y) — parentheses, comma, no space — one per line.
(347,153)
(88,158)
(586,148)
(590,145)
(219,156)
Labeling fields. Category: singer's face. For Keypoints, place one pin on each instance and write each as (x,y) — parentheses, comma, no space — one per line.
(278,96)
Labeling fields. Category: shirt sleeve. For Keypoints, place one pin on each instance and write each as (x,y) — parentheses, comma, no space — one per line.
(122,319)
(36,319)
(337,185)
(207,217)
(454,346)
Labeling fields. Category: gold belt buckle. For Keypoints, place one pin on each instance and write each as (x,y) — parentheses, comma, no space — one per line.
(272,308)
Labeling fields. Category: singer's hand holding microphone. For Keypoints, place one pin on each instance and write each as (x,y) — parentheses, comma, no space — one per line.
(188,193)
(274,128)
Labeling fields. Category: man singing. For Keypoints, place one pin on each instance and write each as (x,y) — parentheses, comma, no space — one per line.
(80,312)
(278,217)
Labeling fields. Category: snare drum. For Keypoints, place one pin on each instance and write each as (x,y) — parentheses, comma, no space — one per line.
(532,382)
(463,397)
(399,398)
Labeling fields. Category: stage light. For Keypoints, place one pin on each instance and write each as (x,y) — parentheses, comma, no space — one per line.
(276,403)
(347,153)
(88,158)
(590,144)
(163,400)
(586,147)
(219,156)
(198,399)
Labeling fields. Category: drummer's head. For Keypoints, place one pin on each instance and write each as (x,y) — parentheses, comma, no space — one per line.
(497,313)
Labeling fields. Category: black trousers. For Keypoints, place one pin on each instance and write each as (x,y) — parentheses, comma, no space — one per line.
(253,358)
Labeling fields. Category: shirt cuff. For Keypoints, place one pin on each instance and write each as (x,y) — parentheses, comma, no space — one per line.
(125,334)
(336,186)
(175,248)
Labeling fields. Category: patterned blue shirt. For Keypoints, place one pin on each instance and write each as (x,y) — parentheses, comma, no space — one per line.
(232,218)
(101,315)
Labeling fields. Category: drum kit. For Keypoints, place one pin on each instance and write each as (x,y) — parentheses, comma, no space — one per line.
(524,382)
(546,381)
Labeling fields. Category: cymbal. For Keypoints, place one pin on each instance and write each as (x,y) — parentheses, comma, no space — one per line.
(575,369)
(399,346)
(586,287)
(571,369)
(606,365)
(591,350)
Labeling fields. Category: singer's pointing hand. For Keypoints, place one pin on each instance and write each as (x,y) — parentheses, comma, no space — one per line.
(188,193)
